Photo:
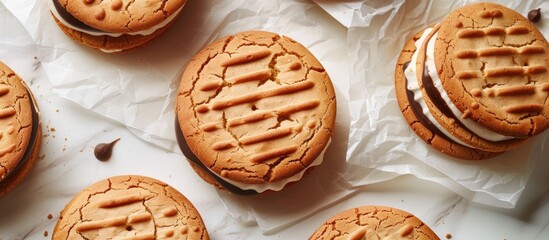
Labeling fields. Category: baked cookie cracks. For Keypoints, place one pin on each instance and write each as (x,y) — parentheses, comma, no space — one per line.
(20,132)
(255,111)
(475,83)
(114,25)
(374,222)
(130,207)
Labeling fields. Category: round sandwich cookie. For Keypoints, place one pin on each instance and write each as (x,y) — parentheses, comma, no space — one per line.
(20,132)
(255,111)
(114,26)
(476,84)
(374,222)
(129,207)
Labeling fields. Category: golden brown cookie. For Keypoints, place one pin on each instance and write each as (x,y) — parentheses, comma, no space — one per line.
(114,25)
(20,134)
(374,222)
(442,112)
(493,64)
(130,207)
(456,77)
(413,112)
(255,110)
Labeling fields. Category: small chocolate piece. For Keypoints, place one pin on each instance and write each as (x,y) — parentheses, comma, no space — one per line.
(534,15)
(103,151)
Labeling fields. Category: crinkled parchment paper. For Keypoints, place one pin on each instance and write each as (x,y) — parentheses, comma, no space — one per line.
(138,89)
(380,137)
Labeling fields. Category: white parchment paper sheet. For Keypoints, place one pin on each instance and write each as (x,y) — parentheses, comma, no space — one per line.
(380,137)
(138,89)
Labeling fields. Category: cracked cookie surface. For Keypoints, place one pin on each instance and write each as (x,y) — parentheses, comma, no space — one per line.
(373,222)
(256,107)
(122,16)
(130,207)
(494,65)
(19,127)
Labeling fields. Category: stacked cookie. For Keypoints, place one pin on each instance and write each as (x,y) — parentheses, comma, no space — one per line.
(114,26)
(20,132)
(255,111)
(476,84)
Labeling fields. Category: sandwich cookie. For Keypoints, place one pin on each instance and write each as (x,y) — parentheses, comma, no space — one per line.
(255,111)
(132,208)
(474,85)
(20,132)
(114,25)
(374,222)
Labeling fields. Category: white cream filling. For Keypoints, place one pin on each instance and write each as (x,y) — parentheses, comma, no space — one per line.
(413,85)
(111,50)
(279,185)
(145,32)
(474,127)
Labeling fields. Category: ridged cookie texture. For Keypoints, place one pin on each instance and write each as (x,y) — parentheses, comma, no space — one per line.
(493,63)
(122,16)
(115,26)
(420,124)
(373,222)
(256,107)
(449,120)
(476,84)
(132,208)
(19,129)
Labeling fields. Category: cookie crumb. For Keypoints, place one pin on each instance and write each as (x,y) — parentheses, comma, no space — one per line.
(52,129)
(448,236)
(45,233)
(50,216)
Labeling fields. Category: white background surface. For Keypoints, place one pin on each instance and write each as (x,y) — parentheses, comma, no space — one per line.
(379,136)
(68,166)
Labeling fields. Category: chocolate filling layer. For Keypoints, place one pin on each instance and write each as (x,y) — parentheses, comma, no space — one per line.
(437,100)
(435,96)
(186,150)
(30,147)
(70,19)
(418,110)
